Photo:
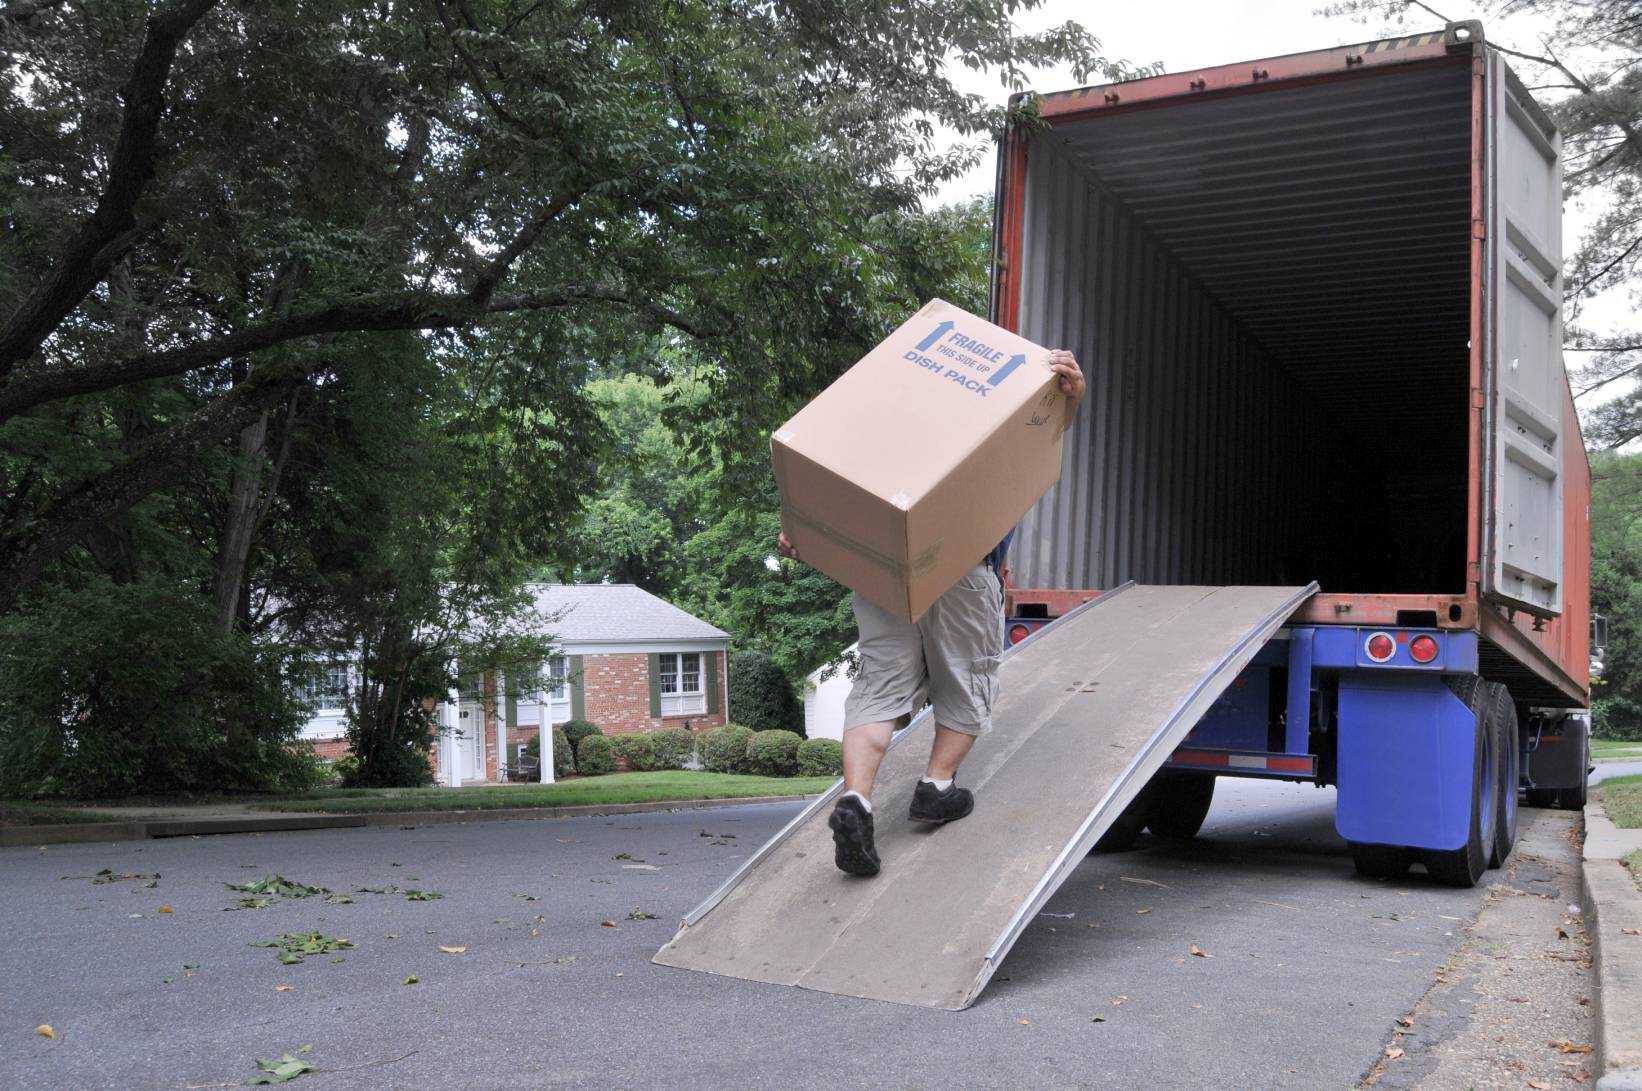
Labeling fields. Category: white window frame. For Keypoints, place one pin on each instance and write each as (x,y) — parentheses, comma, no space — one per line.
(328,690)
(675,699)
(556,679)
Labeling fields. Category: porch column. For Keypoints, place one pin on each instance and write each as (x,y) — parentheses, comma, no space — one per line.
(453,705)
(501,726)
(544,733)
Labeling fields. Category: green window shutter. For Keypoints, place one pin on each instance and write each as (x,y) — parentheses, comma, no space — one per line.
(578,691)
(512,712)
(712,682)
(655,684)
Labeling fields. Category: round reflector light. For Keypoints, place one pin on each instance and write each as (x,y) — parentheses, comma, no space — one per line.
(1380,647)
(1423,649)
(1018,633)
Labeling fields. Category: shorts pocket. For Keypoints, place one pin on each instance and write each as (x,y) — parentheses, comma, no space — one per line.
(983,682)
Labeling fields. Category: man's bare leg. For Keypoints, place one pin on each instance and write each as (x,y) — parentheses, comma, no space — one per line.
(864,748)
(946,753)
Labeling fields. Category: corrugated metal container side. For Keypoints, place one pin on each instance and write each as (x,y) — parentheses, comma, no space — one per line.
(1272,275)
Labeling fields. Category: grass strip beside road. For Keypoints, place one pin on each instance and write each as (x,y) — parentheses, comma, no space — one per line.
(1616,750)
(1622,799)
(14,813)
(660,787)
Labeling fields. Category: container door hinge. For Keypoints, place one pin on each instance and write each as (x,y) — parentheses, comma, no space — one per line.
(1479,229)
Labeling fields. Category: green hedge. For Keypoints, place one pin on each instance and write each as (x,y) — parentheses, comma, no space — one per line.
(564,756)
(773,753)
(595,756)
(761,695)
(673,747)
(577,730)
(820,758)
(637,751)
(724,749)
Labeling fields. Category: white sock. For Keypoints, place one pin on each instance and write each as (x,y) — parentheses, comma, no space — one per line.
(940,785)
(865,802)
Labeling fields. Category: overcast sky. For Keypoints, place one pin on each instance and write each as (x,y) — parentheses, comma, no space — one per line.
(1188,34)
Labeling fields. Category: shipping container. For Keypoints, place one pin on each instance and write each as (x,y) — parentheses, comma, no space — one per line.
(1318,301)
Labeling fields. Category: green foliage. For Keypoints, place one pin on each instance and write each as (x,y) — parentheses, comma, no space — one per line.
(1616,593)
(595,756)
(564,755)
(99,699)
(636,750)
(673,747)
(724,749)
(820,758)
(773,753)
(577,730)
(761,695)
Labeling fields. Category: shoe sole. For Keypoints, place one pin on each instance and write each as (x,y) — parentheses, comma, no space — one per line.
(936,820)
(850,852)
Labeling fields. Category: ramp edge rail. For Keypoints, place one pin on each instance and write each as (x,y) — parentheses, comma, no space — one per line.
(1082,841)
(712,900)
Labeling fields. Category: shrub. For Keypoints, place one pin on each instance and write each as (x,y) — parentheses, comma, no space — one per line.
(773,753)
(564,758)
(595,756)
(673,747)
(820,758)
(637,751)
(761,695)
(577,730)
(724,749)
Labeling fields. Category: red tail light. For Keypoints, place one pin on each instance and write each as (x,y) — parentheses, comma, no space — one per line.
(1019,632)
(1423,649)
(1380,647)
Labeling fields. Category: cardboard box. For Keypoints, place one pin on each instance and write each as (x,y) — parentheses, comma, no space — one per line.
(905,473)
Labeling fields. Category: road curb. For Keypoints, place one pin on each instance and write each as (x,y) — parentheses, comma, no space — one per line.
(273,822)
(1613,904)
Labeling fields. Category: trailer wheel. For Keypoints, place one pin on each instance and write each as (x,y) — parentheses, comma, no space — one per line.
(1381,861)
(1181,804)
(1121,836)
(1571,798)
(1502,720)
(1465,865)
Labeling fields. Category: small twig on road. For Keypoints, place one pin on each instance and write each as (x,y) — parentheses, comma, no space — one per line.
(369,1064)
(1146,882)
(1280,905)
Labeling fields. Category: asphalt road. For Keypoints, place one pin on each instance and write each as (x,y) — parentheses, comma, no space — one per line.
(1309,966)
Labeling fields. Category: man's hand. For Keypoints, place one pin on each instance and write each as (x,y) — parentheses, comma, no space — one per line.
(784,547)
(1062,363)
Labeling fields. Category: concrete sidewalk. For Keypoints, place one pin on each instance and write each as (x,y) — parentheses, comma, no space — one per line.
(1614,918)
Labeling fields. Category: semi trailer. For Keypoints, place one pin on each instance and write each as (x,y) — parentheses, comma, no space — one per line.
(1322,515)
(1318,300)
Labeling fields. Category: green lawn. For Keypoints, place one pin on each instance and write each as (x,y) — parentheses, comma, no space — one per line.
(616,788)
(1615,750)
(1622,799)
(44,814)
(1634,862)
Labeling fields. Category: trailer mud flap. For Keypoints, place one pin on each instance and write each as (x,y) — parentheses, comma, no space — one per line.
(1091,707)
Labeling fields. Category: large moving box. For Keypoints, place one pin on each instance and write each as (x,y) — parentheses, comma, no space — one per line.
(902,475)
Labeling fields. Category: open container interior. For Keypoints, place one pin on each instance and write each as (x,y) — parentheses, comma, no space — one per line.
(1269,292)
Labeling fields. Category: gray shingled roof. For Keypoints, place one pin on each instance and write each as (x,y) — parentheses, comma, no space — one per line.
(617,613)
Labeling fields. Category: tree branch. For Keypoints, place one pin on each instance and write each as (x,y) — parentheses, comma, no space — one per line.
(400,311)
(111,229)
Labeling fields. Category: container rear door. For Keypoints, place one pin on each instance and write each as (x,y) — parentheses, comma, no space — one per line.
(1522,562)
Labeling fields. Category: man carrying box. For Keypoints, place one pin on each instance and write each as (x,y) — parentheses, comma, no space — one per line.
(949,657)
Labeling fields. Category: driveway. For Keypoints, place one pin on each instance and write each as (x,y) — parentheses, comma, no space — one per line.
(1309,968)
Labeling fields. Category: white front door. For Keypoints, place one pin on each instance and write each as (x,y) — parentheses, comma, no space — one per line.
(470,726)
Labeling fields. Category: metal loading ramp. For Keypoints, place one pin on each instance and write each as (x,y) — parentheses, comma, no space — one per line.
(1091,707)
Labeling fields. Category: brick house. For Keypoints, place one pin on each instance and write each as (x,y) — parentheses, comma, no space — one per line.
(625,660)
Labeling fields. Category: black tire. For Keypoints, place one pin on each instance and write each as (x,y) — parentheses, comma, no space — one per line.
(1570,798)
(1122,834)
(1464,866)
(1502,721)
(1180,804)
(1381,861)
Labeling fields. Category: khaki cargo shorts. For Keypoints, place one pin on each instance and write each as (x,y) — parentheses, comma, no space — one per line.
(948,658)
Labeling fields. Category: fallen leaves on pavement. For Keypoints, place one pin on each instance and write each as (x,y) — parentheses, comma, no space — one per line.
(1393,1052)
(45,1030)
(1199,952)
(640,915)
(411,980)
(1143,882)
(249,903)
(283,988)
(454,950)
(281,1071)
(292,947)
(278,885)
(1563,1045)
(609,924)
